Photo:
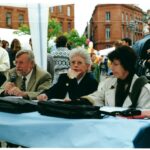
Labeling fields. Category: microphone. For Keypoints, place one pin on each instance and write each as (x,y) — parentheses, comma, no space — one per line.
(13,77)
(112,87)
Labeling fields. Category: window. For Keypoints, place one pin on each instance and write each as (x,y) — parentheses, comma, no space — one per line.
(122,17)
(20,19)
(107,16)
(51,9)
(8,19)
(68,11)
(69,26)
(126,18)
(60,9)
(107,33)
(123,30)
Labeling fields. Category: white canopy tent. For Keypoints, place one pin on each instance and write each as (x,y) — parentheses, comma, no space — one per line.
(9,35)
(106,51)
(38,19)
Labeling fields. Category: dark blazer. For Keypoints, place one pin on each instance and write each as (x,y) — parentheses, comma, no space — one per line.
(142,139)
(64,84)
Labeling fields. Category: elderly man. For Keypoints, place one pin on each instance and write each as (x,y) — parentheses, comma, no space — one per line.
(26,79)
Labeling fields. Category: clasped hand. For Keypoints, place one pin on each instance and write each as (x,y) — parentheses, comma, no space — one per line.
(72,74)
(11,89)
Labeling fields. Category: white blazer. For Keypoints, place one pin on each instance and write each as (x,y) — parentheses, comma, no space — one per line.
(105,95)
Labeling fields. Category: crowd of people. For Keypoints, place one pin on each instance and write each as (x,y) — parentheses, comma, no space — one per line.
(75,74)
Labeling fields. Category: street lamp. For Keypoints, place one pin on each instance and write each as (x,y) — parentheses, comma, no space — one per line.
(132,26)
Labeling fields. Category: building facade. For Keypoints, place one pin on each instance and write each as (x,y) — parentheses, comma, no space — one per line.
(13,17)
(65,15)
(112,22)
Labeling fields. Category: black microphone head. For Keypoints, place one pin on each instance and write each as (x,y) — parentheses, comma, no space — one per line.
(13,78)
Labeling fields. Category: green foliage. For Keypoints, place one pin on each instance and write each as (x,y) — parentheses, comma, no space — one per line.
(54,28)
(23,29)
(75,39)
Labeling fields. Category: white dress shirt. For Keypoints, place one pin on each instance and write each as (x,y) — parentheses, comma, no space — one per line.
(4,60)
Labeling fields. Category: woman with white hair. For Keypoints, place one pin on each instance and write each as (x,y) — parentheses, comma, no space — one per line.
(77,82)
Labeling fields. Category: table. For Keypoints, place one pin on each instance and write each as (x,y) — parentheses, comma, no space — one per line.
(37,131)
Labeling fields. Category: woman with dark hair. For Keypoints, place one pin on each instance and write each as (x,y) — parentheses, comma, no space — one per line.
(115,90)
(14,48)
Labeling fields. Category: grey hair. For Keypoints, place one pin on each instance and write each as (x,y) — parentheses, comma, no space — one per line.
(28,52)
(81,52)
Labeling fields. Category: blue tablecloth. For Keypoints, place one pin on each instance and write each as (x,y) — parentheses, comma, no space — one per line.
(35,130)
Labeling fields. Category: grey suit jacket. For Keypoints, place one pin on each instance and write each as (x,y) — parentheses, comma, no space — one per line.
(40,80)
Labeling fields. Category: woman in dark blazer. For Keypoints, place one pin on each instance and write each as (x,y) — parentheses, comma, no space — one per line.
(77,82)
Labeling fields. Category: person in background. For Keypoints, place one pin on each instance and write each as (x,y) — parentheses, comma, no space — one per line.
(142,48)
(4,65)
(14,48)
(50,61)
(126,41)
(50,65)
(78,81)
(117,43)
(30,43)
(116,89)
(95,68)
(60,57)
(26,79)
(5,44)
(69,45)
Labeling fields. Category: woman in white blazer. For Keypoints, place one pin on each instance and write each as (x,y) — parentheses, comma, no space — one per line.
(114,91)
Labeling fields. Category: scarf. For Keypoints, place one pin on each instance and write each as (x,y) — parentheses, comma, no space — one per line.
(122,90)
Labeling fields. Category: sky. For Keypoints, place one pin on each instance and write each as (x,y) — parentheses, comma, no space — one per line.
(83,8)
(144,4)
(83,12)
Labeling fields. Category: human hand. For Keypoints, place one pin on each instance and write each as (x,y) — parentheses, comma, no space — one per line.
(67,100)
(42,97)
(15,91)
(8,86)
(72,74)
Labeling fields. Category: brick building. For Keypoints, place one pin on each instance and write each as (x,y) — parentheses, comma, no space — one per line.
(111,22)
(65,15)
(13,17)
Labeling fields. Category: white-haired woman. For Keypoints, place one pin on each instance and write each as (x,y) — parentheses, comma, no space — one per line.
(78,81)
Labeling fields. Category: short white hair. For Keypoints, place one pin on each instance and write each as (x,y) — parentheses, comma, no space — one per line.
(79,51)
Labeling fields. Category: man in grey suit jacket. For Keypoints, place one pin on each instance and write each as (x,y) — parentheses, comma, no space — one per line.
(37,80)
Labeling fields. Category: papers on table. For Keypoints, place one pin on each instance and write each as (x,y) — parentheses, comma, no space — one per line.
(111,109)
(55,99)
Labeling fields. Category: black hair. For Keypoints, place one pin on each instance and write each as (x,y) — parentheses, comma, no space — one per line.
(61,41)
(127,40)
(127,57)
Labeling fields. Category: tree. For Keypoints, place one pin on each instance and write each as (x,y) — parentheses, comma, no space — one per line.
(54,29)
(75,39)
(23,29)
